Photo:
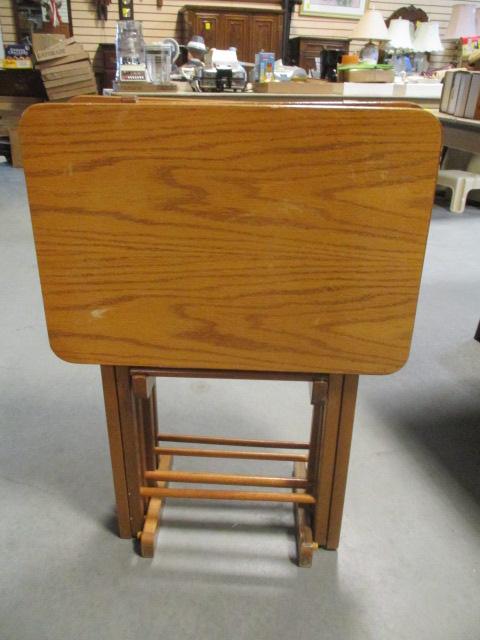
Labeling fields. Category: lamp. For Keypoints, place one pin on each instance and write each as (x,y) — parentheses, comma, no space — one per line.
(371,26)
(463,22)
(399,34)
(427,38)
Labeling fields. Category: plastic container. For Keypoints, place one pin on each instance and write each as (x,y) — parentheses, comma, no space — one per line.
(130,46)
(159,63)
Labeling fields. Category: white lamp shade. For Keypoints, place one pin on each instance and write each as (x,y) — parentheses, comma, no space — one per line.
(399,34)
(427,37)
(463,21)
(371,26)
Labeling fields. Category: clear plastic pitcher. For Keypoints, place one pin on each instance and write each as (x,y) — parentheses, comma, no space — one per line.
(159,62)
(129,42)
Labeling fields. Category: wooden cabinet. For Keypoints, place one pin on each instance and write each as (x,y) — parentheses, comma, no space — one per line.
(235,34)
(249,30)
(105,64)
(265,32)
(304,50)
(205,24)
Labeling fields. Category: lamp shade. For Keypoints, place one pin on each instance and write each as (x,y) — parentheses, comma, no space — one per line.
(463,22)
(399,34)
(371,26)
(427,37)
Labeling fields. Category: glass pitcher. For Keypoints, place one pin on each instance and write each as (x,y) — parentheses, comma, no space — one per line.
(130,46)
(159,62)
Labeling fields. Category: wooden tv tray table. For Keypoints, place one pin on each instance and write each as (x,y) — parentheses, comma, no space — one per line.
(335,95)
(254,241)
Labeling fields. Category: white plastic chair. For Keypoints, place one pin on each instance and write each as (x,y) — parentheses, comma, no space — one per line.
(461,183)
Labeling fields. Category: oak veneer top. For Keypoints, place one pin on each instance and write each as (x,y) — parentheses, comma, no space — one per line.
(256,99)
(268,238)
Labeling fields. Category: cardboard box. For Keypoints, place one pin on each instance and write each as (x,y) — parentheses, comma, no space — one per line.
(48,46)
(66,75)
(74,52)
(74,89)
(65,82)
(66,70)
(264,65)
(76,57)
(17,56)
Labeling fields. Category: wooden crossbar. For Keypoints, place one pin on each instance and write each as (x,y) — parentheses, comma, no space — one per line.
(218,453)
(225,374)
(233,442)
(218,494)
(221,478)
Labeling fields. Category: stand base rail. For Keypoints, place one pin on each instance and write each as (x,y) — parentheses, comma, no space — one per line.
(218,453)
(222,478)
(220,494)
(233,442)
(163,475)
(315,489)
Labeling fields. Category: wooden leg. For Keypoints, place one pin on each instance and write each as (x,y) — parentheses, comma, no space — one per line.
(344,440)
(132,444)
(147,421)
(303,523)
(117,455)
(318,400)
(154,409)
(325,421)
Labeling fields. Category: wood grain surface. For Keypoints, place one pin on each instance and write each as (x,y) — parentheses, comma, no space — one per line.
(268,238)
(261,99)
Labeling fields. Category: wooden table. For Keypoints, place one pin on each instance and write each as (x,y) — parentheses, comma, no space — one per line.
(183,238)
(459,133)
(328,92)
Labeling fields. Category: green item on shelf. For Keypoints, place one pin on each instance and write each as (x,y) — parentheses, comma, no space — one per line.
(363,65)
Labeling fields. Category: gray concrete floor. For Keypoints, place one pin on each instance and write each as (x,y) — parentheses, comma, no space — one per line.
(408,564)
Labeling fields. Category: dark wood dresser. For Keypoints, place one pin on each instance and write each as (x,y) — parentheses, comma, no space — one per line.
(304,49)
(105,64)
(249,30)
